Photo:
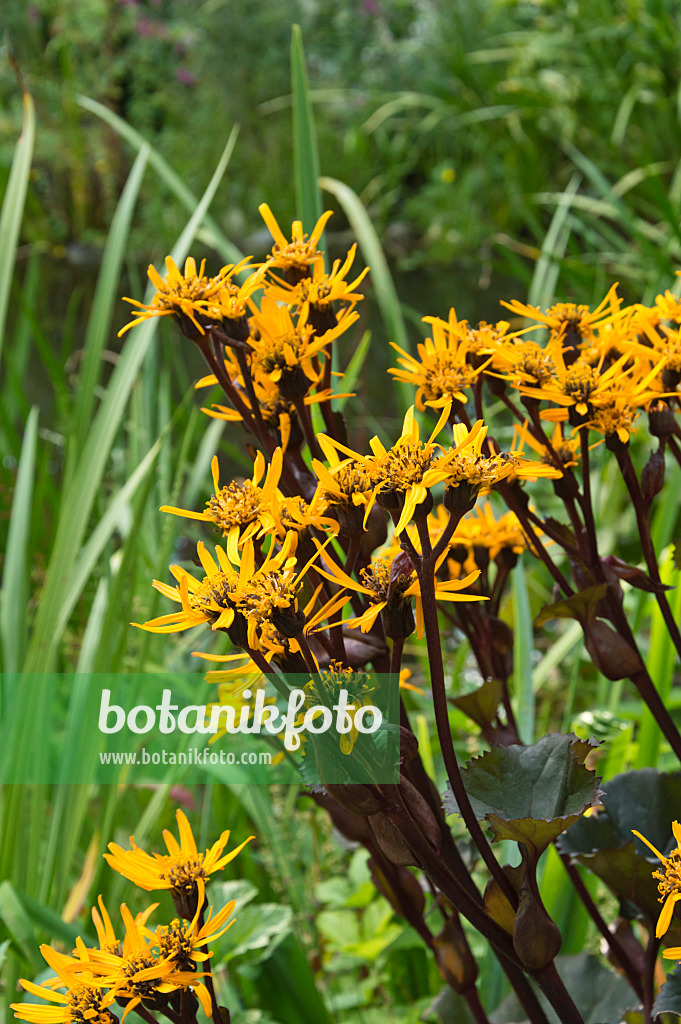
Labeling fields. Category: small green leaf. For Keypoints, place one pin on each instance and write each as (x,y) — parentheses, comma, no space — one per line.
(481,704)
(257,932)
(239,889)
(530,794)
(581,606)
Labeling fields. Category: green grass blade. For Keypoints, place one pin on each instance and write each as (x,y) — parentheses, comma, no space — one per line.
(661,662)
(18,925)
(545,278)
(381,278)
(13,207)
(305,152)
(354,367)
(184,195)
(523,690)
(106,294)
(15,588)
(99,538)
(78,501)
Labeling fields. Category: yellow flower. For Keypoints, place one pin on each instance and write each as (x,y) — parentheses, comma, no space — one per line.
(183,870)
(566,449)
(400,476)
(295,256)
(297,516)
(586,387)
(449,362)
(231,301)
(573,324)
(322,289)
(390,584)
(183,296)
(465,464)
(668,881)
(184,942)
(286,351)
(324,691)
(140,971)
(344,487)
(257,607)
(80,1003)
(240,511)
(209,601)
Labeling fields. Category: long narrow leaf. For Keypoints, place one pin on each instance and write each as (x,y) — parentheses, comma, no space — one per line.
(13,207)
(77,503)
(15,590)
(99,324)
(174,182)
(305,152)
(522,655)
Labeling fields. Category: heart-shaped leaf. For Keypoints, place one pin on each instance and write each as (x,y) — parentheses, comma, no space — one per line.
(530,794)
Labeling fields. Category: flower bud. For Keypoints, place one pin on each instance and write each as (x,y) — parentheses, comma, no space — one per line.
(536,939)
(461,498)
(652,475)
(391,841)
(401,889)
(453,956)
(660,420)
(671,379)
(611,653)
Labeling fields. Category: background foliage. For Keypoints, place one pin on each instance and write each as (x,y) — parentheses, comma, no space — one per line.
(497,148)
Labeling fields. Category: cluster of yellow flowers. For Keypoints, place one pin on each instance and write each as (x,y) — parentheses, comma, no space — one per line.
(308,533)
(150,969)
(597,368)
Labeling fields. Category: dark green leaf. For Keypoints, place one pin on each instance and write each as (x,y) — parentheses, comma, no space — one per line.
(581,606)
(645,800)
(481,704)
(669,997)
(531,794)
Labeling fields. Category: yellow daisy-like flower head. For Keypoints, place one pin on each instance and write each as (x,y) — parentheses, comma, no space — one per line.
(183,870)
(286,351)
(467,472)
(239,510)
(324,691)
(81,1004)
(184,942)
(573,324)
(294,257)
(344,489)
(180,295)
(450,362)
(322,289)
(390,584)
(402,475)
(668,880)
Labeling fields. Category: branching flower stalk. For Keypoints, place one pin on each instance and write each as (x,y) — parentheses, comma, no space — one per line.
(347,549)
